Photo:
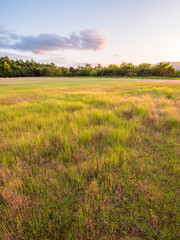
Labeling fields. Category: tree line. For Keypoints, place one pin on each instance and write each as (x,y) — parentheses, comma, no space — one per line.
(20,68)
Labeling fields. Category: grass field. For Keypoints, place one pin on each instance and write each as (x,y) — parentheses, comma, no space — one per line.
(89,159)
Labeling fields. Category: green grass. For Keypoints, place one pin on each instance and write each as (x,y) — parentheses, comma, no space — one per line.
(89,159)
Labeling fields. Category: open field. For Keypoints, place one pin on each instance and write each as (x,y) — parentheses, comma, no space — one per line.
(89,158)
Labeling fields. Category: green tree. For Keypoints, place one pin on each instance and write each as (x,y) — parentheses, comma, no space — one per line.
(7,69)
(144,69)
(163,70)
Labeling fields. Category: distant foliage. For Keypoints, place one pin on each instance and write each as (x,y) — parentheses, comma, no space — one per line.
(20,68)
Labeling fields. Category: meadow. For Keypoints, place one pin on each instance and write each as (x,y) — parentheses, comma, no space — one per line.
(89,158)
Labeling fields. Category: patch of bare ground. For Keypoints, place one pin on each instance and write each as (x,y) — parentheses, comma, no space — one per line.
(159,80)
(29,80)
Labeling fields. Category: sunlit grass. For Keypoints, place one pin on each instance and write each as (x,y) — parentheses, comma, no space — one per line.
(92,159)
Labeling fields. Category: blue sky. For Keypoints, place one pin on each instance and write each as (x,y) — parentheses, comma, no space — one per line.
(75,32)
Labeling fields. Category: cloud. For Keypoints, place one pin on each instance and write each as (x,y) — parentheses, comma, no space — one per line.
(45,43)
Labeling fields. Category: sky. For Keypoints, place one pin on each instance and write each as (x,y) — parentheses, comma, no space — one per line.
(75,32)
